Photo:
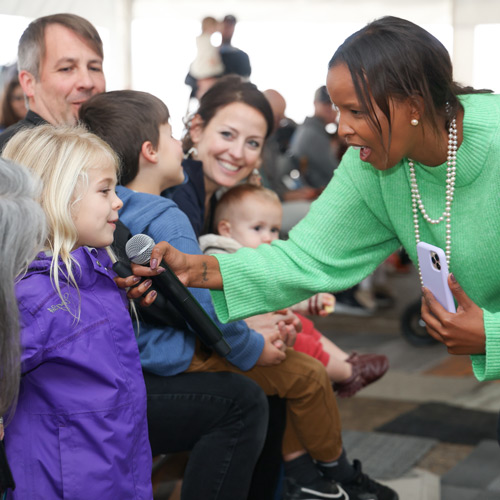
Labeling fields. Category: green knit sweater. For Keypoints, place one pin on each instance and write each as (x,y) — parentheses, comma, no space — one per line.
(364,215)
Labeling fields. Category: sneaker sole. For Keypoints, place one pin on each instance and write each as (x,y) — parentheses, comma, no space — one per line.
(342,495)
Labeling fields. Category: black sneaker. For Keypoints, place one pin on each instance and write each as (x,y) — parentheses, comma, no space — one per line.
(320,489)
(364,488)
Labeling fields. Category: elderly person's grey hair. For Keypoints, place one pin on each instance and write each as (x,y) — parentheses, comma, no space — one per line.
(22,234)
(31,49)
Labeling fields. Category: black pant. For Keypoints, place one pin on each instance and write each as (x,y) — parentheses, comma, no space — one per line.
(221,418)
(498,429)
(267,470)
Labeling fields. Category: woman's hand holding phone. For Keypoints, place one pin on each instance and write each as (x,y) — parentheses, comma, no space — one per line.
(434,272)
(462,332)
(460,328)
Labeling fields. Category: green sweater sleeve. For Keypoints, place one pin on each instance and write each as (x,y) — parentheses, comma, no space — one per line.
(487,366)
(341,240)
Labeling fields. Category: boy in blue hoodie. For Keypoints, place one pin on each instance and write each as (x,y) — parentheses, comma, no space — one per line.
(200,412)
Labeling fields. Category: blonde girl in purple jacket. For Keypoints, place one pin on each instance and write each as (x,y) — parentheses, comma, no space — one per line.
(79,430)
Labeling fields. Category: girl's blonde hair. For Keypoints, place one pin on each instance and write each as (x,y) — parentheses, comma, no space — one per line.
(61,156)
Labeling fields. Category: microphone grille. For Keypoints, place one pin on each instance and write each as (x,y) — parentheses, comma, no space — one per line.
(139,248)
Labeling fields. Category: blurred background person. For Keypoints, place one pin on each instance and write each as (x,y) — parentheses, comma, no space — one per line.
(314,149)
(207,65)
(235,60)
(13,104)
(275,167)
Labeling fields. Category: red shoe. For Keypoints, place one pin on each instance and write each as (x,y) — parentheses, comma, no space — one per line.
(366,369)
(394,260)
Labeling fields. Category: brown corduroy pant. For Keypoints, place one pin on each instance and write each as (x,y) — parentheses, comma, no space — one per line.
(313,420)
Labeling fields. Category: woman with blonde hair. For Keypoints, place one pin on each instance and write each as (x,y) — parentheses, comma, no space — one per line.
(80,426)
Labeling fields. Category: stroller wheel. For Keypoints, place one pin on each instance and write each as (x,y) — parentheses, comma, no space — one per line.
(413,327)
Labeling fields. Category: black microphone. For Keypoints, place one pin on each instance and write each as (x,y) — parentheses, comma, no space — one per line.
(138,250)
(161,312)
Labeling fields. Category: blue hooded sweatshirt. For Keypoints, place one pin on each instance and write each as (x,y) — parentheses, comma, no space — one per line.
(168,350)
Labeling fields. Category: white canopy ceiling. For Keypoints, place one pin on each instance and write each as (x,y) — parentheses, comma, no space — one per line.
(150,43)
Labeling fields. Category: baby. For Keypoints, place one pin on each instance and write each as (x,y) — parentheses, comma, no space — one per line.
(248,216)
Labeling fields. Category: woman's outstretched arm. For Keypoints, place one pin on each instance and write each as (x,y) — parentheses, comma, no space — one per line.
(200,271)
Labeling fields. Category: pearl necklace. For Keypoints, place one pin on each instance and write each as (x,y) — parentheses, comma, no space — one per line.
(417,203)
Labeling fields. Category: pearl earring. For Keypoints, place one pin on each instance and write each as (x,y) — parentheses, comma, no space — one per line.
(192,152)
(414,122)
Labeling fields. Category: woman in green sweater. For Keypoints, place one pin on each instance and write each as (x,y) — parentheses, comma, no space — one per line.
(423,166)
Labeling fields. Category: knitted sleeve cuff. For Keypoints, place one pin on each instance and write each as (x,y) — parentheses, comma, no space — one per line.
(487,366)
(220,305)
(246,292)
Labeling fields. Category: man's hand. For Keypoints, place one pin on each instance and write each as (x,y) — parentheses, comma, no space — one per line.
(462,332)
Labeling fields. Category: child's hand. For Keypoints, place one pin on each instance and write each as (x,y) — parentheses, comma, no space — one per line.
(263,323)
(274,350)
(321,304)
(327,301)
(284,322)
(289,325)
(274,330)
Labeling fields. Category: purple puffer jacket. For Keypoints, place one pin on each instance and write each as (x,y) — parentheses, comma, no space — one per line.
(80,427)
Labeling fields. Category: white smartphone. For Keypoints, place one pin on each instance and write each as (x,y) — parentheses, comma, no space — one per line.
(434,269)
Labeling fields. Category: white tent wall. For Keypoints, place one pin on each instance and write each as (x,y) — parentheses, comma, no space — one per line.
(150,43)
(469,59)
(289,41)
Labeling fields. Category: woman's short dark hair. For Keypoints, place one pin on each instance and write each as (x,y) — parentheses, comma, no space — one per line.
(125,119)
(227,90)
(395,58)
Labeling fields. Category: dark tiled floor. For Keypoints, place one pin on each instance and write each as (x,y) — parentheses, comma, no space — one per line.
(468,472)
